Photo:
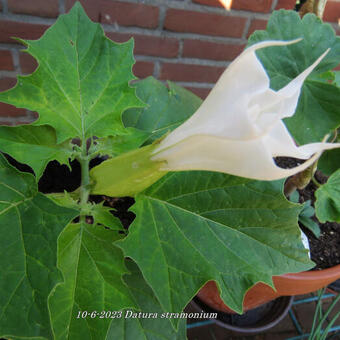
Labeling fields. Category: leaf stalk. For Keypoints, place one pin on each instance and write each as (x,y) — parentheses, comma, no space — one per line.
(84,160)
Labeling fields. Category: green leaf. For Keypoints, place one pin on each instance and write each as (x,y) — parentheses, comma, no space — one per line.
(318,110)
(337,77)
(330,160)
(192,227)
(66,199)
(102,215)
(307,210)
(327,204)
(159,328)
(311,225)
(294,197)
(166,108)
(286,62)
(117,145)
(305,218)
(81,86)
(30,225)
(34,145)
(92,267)
(326,77)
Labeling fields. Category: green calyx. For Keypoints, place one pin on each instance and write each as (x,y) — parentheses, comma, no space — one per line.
(128,174)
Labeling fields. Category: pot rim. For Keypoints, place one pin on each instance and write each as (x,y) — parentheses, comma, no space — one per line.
(313,274)
(285,300)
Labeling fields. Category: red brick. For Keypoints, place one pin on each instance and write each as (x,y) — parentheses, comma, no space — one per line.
(201,92)
(129,14)
(209,50)
(256,24)
(5,109)
(27,62)
(41,8)
(149,45)
(6,61)
(7,83)
(263,6)
(332,11)
(9,29)
(286,4)
(204,23)
(143,69)
(190,73)
(92,8)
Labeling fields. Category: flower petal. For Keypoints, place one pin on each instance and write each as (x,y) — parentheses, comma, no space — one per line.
(281,143)
(238,128)
(228,101)
(250,158)
(282,103)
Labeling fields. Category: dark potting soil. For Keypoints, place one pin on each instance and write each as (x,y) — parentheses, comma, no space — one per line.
(299,5)
(325,250)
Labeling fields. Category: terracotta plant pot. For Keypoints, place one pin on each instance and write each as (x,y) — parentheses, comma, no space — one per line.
(334,287)
(286,285)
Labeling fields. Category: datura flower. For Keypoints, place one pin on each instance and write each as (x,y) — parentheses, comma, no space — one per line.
(239,129)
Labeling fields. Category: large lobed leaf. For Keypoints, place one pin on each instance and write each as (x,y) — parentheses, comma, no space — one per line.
(30,224)
(34,145)
(146,328)
(81,86)
(97,280)
(192,227)
(318,110)
(327,204)
(93,269)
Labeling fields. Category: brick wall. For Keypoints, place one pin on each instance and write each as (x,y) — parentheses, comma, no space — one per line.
(186,41)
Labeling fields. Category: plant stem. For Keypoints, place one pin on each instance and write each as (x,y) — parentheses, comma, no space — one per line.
(313,6)
(316,183)
(84,160)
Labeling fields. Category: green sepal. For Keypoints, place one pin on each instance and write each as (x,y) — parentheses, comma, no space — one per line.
(128,174)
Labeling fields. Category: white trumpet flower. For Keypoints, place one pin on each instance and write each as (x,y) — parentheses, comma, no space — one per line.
(239,129)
